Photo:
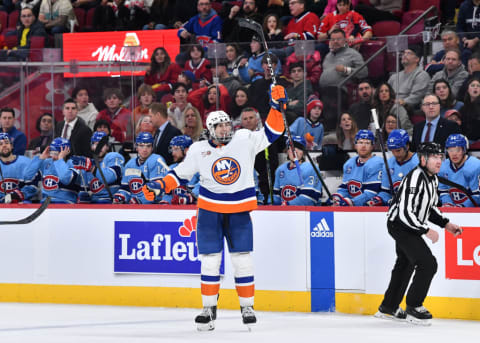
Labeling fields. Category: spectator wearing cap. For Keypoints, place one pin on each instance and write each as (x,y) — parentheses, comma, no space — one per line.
(454,116)
(298,92)
(44,125)
(310,126)
(199,65)
(188,79)
(229,81)
(18,138)
(254,70)
(410,84)
(453,72)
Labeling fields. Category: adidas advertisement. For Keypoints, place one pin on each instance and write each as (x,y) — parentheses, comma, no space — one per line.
(322,261)
(157,247)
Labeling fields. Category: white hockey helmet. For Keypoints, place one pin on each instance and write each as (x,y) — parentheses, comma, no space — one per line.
(217,117)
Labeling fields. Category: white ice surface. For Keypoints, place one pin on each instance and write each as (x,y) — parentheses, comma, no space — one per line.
(45,323)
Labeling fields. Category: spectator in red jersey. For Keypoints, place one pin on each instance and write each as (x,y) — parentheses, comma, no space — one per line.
(304,24)
(119,118)
(161,73)
(198,65)
(352,23)
(205,100)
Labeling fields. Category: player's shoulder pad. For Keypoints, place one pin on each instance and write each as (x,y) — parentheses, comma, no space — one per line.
(114,155)
(375,162)
(23,160)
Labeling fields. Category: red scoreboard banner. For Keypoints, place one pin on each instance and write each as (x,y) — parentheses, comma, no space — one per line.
(462,255)
(117,46)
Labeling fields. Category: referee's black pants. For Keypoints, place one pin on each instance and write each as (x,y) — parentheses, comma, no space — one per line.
(413,254)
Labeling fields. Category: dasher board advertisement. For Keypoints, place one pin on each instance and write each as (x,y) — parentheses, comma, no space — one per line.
(119,46)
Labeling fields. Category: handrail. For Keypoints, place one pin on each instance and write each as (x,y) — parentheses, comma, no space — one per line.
(355,72)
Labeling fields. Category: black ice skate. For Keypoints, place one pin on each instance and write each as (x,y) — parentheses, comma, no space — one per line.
(386,313)
(248,316)
(419,316)
(206,320)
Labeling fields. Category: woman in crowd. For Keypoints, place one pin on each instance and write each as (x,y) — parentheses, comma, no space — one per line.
(176,110)
(390,123)
(205,100)
(470,112)
(236,60)
(346,131)
(272,27)
(86,110)
(199,65)
(145,96)
(384,103)
(442,89)
(145,124)
(239,102)
(161,73)
(192,124)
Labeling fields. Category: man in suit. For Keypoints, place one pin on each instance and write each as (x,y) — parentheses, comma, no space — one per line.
(165,131)
(74,129)
(434,128)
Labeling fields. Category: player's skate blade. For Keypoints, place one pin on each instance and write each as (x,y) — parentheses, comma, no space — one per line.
(416,321)
(206,320)
(248,317)
(385,313)
(419,316)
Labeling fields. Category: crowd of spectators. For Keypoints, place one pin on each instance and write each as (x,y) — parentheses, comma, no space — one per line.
(176,95)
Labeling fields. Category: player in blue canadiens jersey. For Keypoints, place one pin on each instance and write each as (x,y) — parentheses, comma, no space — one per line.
(362,175)
(288,189)
(185,193)
(59,177)
(459,168)
(148,165)
(400,164)
(13,186)
(111,163)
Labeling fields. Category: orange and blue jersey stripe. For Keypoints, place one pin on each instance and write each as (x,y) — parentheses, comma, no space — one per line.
(245,286)
(241,201)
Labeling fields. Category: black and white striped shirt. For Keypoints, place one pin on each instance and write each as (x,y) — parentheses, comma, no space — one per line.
(416,202)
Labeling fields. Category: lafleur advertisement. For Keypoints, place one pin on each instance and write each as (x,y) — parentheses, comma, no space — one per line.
(462,255)
(157,247)
(117,46)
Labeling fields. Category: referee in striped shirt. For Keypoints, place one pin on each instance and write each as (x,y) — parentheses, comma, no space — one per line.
(414,204)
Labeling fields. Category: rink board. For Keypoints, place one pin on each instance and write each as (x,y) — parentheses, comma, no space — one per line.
(306,259)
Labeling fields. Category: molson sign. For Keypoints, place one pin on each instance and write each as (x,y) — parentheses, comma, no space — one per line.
(462,255)
(117,46)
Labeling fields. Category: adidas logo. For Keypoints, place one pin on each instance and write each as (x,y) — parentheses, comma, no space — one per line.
(322,230)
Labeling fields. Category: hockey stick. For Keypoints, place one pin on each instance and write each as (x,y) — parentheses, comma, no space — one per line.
(164,165)
(319,175)
(460,187)
(2,184)
(382,147)
(29,218)
(101,143)
(269,175)
(254,26)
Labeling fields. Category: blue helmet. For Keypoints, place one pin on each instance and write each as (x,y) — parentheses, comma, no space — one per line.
(97,136)
(457,139)
(144,138)
(298,142)
(397,139)
(365,134)
(182,141)
(5,136)
(60,143)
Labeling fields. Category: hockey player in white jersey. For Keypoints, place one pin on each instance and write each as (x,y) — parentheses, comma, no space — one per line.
(13,186)
(112,168)
(362,174)
(400,164)
(146,165)
(227,195)
(288,189)
(462,169)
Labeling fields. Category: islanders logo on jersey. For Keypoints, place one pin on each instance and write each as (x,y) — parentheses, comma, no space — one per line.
(50,182)
(289,192)
(135,184)
(8,185)
(354,188)
(226,170)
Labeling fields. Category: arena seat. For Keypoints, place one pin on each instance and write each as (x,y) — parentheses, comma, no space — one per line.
(89,20)
(376,68)
(385,28)
(81,14)
(422,5)
(11,41)
(36,45)
(3,20)
(417,29)
(13,19)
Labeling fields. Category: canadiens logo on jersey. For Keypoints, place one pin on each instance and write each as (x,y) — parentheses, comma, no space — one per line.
(457,196)
(354,188)
(50,182)
(226,170)
(96,186)
(396,184)
(8,185)
(135,185)
(289,192)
